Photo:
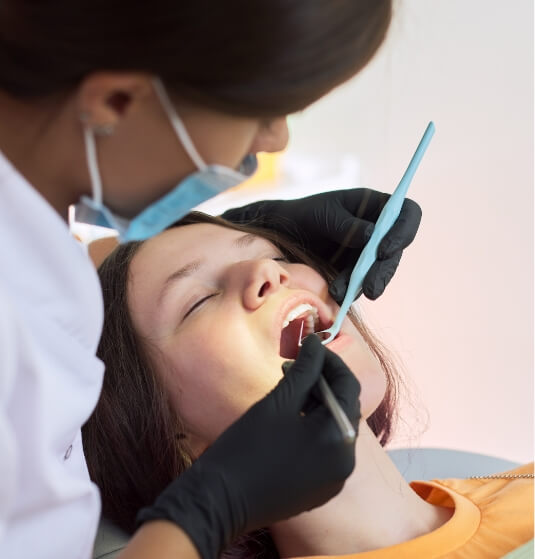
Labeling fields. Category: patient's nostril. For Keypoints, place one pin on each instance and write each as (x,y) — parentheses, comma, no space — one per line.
(264,288)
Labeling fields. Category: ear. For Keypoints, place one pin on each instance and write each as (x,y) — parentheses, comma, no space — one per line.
(103,99)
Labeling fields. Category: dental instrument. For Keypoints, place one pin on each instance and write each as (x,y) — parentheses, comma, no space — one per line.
(348,432)
(386,219)
(346,428)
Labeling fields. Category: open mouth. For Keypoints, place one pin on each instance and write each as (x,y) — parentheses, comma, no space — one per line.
(305,318)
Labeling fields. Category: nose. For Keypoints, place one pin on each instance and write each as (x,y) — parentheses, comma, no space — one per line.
(272,136)
(261,279)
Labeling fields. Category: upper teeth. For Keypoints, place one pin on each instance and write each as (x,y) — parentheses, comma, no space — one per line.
(298,311)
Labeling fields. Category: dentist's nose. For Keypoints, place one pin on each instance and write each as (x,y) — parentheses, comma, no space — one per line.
(261,278)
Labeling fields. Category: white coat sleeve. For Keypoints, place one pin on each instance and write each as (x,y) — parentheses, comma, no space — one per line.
(8,448)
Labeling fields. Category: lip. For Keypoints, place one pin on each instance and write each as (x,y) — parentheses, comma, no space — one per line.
(325,314)
(339,342)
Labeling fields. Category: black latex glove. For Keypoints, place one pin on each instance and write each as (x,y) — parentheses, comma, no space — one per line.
(336,226)
(271,464)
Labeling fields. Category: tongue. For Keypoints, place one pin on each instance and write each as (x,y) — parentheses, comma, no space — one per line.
(290,339)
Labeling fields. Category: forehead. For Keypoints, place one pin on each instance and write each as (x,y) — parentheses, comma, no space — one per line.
(188,242)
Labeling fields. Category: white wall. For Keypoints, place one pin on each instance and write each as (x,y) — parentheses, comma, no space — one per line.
(459,313)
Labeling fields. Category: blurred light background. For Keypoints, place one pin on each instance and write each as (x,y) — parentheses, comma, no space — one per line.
(459,313)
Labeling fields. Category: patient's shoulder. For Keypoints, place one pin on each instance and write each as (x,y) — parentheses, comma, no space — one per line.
(478,488)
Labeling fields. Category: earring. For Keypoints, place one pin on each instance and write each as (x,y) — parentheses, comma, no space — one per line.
(98,129)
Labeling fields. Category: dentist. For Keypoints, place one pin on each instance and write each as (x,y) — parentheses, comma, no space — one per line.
(135,112)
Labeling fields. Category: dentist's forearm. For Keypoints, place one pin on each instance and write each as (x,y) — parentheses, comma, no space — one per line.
(161,539)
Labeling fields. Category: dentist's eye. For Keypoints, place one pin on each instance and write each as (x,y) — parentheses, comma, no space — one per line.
(197,304)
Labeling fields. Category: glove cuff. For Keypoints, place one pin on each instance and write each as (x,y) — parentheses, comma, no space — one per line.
(199,503)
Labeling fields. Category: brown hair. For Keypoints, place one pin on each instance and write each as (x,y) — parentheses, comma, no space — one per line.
(254,58)
(130,441)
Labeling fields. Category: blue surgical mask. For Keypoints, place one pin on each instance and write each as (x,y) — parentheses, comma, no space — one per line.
(197,187)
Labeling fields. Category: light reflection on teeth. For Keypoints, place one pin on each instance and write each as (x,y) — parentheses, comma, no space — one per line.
(310,320)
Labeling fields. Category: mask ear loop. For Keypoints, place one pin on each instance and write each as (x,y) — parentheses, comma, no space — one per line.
(178,125)
(92,165)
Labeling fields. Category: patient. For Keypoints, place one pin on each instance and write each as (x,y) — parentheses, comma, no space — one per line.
(198,322)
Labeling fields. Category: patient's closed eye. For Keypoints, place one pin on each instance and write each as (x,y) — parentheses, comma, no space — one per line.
(197,304)
(202,300)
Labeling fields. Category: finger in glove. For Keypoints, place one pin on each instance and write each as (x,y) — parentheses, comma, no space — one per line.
(402,232)
(379,275)
(302,375)
(352,233)
(338,287)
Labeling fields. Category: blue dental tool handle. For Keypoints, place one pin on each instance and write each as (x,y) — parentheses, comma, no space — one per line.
(386,219)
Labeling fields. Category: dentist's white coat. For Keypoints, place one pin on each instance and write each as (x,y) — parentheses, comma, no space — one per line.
(50,323)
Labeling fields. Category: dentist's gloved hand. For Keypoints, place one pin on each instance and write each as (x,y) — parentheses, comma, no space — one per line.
(336,226)
(271,464)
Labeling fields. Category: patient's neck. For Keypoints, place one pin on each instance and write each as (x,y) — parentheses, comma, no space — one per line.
(376,508)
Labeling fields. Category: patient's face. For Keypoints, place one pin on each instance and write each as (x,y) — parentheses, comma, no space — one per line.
(212,303)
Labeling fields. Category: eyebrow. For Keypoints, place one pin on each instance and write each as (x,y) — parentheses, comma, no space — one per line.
(245,240)
(192,267)
(183,272)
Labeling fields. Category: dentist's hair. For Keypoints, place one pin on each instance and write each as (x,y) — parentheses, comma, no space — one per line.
(132,442)
(253,58)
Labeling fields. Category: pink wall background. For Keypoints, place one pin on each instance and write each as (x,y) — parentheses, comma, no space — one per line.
(460,311)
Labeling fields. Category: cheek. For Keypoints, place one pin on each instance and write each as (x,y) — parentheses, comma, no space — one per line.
(367,369)
(372,383)
(215,373)
(224,140)
(373,391)
(304,277)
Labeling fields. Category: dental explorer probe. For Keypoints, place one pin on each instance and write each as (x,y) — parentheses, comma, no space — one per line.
(329,399)
(386,219)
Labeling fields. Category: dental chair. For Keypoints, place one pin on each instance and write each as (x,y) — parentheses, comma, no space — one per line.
(414,464)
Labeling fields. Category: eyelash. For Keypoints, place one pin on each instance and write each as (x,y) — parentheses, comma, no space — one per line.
(198,304)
